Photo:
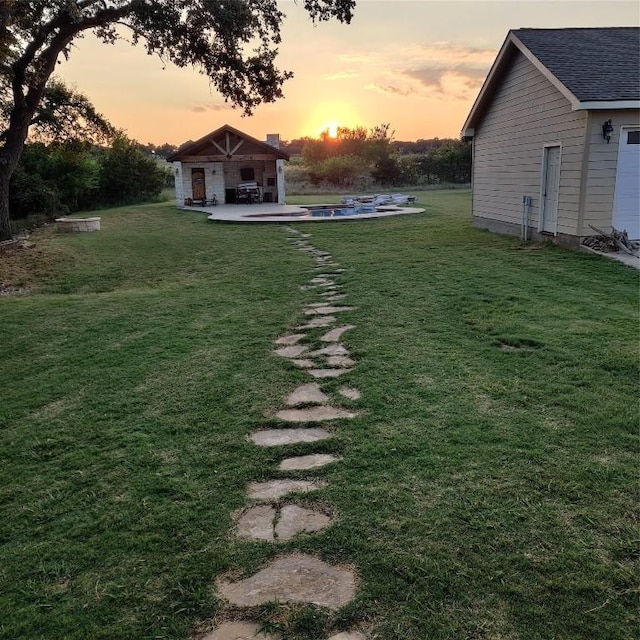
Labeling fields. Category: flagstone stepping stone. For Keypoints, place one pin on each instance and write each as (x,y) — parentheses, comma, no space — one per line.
(334,349)
(302,463)
(240,631)
(314,414)
(281,437)
(327,310)
(306,394)
(304,364)
(275,489)
(294,520)
(350,393)
(319,279)
(293,578)
(290,339)
(292,351)
(337,298)
(335,334)
(348,635)
(256,523)
(327,373)
(340,361)
(324,321)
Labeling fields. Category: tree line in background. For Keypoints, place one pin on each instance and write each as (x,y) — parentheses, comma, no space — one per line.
(361,157)
(62,177)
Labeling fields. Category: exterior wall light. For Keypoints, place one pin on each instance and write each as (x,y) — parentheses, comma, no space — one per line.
(607,130)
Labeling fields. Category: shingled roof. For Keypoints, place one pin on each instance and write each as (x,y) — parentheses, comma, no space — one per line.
(595,68)
(594,64)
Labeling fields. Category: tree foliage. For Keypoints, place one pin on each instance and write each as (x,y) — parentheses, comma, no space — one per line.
(128,175)
(350,155)
(63,177)
(232,42)
(450,162)
(66,114)
(360,153)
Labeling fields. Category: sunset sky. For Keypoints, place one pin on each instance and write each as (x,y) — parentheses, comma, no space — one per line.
(416,64)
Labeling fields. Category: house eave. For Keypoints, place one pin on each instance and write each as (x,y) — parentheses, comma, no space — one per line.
(605,105)
(194,147)
(511,44)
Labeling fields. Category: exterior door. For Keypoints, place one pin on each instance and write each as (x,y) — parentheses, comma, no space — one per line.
(626,201)
(550,190)
(197,184)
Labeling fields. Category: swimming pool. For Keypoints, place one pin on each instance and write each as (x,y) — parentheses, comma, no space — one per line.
(308,213)
(336,211)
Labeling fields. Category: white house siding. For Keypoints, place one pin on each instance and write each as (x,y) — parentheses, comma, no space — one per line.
(527,112)
(280,181)
(179,184)
(601,166)
(213,180)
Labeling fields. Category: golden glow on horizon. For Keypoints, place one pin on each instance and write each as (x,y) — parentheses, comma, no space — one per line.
(332,128)
(329,115)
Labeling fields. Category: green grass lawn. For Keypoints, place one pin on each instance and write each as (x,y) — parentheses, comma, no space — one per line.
(488,491)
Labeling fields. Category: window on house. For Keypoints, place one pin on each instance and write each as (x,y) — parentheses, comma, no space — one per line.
(247,174)
(633,137)
(271,182)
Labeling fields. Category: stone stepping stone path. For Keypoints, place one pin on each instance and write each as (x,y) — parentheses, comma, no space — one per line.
(350,393)
(251,631)
(291,339)
(272,515)
(276,489)
(240,631)
(268,523)
(327,373)
(292,351)
(293,578)
(335,334)
(324,310)
(314,414)
(303,463)
(307,394)
(281,437)
(303,363)
(325,321)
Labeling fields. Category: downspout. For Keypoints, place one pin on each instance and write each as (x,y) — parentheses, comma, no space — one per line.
(584,176)
(524,228)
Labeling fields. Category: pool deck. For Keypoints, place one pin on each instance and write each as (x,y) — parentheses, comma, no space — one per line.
(284,213)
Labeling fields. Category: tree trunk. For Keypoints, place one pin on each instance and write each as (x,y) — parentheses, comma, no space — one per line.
(5,223)
(9,156)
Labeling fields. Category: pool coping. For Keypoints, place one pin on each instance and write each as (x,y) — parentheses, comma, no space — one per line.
(284,214)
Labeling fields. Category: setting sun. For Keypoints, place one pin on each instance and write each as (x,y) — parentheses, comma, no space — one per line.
(329,116)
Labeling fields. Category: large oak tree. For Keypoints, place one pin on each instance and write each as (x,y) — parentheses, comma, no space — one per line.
(233,42)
